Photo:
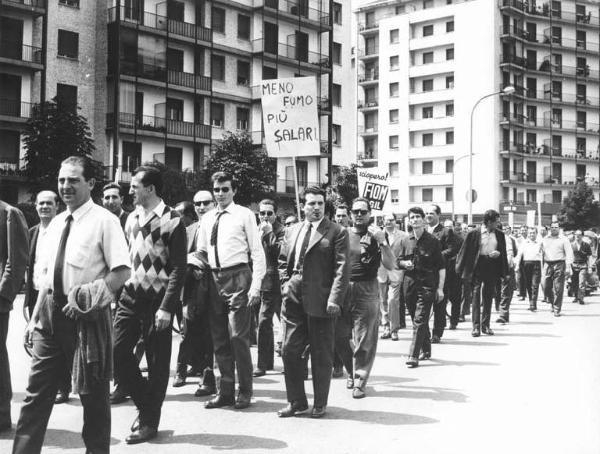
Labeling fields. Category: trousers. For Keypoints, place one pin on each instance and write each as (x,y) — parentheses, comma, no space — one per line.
(392,305)
(533,271)
(5,383)
(419,300)
(579,281)
(504,294)
(555,283)
(364,308)
(270,304)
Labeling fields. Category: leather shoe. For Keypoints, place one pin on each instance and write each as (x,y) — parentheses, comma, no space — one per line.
(28,398)
(349,382)
(435,339)
(502,321)
(292,409)
(475,333)
(179,381)
(317,412)
(386,333)
(61,397)
(452,326)
(135,425)
(487,331)
(425,356)
(259,372)
(412,362)
(358,393)
(556,314)
(394,336)
(144,433)
(242,401)
(220,401)
(462,318)
(205,390)
(118,396)
(338,372)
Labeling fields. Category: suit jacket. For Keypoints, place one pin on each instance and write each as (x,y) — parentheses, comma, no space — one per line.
(271,243)
(29,290)
(450,245)
(14,250)
(469,254)
(325,271)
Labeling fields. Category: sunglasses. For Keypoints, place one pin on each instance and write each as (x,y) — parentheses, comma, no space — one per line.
(224,190)
(203,202)
(266,213)
(287,224)
(361,212)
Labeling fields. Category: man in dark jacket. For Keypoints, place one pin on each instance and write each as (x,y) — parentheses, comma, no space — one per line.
(481,262)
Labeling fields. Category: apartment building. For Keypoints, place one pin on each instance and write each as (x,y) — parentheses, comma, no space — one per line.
(443,56)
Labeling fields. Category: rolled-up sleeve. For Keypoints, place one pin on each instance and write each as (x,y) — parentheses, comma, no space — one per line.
(257,253)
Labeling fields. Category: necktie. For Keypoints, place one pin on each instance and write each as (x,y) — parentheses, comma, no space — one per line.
(387,238)
(60,258)
(304,247)
(213,237)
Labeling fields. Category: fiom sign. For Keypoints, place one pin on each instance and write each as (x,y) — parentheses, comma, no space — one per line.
(373,186)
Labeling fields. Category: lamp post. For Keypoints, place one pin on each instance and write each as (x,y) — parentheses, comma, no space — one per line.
(506,91)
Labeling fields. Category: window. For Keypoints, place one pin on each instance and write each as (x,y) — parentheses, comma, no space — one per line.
(217,67)
(581,145)
(394,63)
(427,167)
(269,73)
(427,4)
(218,19)
(394,90)
(243,26)
(556,196)
(449,165)
(394,169)
(428,85)
(449,194)
(394,36)
(580,39)
(531,196)
(428,30)
(427,139)
(132,156)
(394,116)
(427,57)
(337,13)
(581,119)
(337,53)
(449,81)
(336,134)
(449,26)
(449,137)
(242,118)
(427,112)
(72,3)
(427,194)
(67,96)
(393,141)
(450,110)
(450,53)
(395,195)
(336,95)
(173,157)
(400,9)
(217,114)
(243,73)
(580,171)
(68,44)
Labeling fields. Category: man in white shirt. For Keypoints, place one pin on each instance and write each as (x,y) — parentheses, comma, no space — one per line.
(558,257)
(530,258)
(228,239)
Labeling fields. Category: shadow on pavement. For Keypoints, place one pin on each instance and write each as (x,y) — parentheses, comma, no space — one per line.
(219,441)
(528,335)
(580,315)
(66,439)
(469,342)
(420,392)
(442,362)
(377,417)
(531,323)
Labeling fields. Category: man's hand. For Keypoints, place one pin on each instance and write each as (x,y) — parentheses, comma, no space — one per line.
(333,309)
(266,227)
(254,297)
(439,295)
(28,337)
(162,319)
(71,310)
(379,236)
(407,264)
(494,254)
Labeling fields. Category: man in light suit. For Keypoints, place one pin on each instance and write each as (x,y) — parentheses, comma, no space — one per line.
(14,248)
(315,262)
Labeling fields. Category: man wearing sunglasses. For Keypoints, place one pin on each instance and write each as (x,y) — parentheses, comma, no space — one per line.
(271,233)
(228,239)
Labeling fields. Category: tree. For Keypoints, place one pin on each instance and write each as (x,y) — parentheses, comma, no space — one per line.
(54,132)
(346,184)
(579,209)
(250,166)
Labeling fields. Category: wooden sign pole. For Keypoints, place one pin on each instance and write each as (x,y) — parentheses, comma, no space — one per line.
(296,188)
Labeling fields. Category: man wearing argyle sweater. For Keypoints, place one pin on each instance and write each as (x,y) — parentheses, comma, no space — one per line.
(158,251)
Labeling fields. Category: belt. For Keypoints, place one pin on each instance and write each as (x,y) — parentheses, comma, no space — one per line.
(229,268)
(554,262)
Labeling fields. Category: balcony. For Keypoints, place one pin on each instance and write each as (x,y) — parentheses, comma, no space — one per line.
(543,11)
(161,74)
(546,151)
(294,54)
(36,7)
(366,54)
(287,186)
(162,24)
(367,130)
(546,39)
(11,171)
(158,127)
(14,111)
(368,27)
(547,95)
(21,55)
(295,12)
(539,179)
(368,77)
(370,104)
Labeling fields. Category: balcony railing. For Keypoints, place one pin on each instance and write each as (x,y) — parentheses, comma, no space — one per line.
(366,104)
(544,178)
(369,52)
(367,26)
(15,108)
(528,7)
(366,130)
(20,3)
(161,125)
(292,52)
(163,23)
(300,10)
(22,52)
(546,150)
(548,39)
(161,74)
(370,76)
(547,66)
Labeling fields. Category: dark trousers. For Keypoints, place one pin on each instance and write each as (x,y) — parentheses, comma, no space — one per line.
(270,304)
(53,348)
(454,295)
(343,355)
(131,322)
(301,330)
(521,281)
(364,309)
(230,329)
(196,347)
(533,272)
(419,300)
(483,285)
(504,294)
(555,284)
(466,297)
(579,280)
(439,309)
(5,384)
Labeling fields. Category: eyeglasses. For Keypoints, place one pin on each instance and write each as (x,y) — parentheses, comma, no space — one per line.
(266,213)
(361,212)
(287,224)
(203,202)
(224,190)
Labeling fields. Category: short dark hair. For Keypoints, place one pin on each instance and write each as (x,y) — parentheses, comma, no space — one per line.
(84,162)
(361,199)
(269,202)
(490,216)
(437,210)
(416,210)
(342,206)
(315,190)
(152,176)
(222,177)
(187,209)
(112,185)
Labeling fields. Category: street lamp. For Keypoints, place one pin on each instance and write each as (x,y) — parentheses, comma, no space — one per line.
(506,91)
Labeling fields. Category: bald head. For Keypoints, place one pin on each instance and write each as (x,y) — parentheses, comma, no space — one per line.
(46,205)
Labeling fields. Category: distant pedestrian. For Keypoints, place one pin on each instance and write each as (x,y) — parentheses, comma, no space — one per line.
(558,257)
(582,264)
(112,199)
(530,259)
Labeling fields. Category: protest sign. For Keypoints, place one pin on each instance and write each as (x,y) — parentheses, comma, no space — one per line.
(373,185)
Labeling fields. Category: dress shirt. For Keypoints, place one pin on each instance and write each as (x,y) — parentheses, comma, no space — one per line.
(238,240)
(301,235)
(431,228)
(489,242)
(38,270)
(530,251)
(144,218)
(95,246)
(557,248)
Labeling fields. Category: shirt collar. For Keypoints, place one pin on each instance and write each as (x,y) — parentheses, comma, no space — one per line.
(315,224)
(158,209)
(229,208)
(432,228)
(82,210)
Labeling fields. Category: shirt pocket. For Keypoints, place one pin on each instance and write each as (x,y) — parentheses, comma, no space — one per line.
(78,255)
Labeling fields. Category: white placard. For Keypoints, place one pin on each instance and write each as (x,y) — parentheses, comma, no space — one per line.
(373,185)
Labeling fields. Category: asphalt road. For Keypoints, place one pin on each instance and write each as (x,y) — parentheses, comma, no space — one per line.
(534,387)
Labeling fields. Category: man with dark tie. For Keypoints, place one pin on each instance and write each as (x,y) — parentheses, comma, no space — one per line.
(481,263)
(228,239)
(317,272)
